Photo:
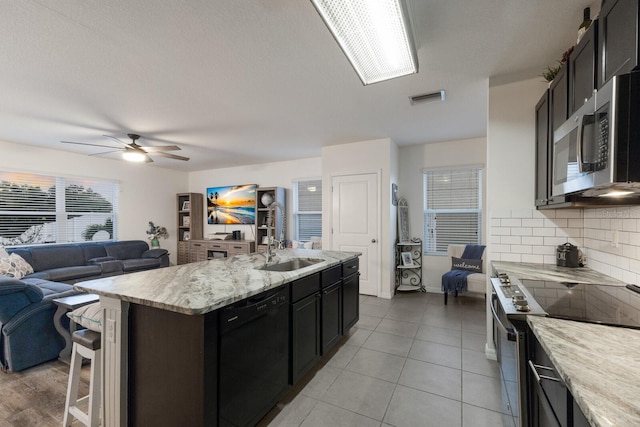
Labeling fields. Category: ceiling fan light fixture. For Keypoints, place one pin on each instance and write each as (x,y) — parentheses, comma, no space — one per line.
(133,156)
(375,35)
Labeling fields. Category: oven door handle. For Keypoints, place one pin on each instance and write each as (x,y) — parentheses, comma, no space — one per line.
(511,333)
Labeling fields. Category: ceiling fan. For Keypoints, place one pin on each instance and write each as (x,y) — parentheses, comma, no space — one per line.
(134,152)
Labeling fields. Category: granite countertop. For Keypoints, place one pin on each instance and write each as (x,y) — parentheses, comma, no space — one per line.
(553,273)
(201,287)
(599,364)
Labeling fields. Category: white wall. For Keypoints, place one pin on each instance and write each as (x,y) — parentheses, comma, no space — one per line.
(413,161)
(147,193)
(375,156)
(277,174)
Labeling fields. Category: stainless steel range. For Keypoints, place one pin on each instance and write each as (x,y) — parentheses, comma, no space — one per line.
(514,299)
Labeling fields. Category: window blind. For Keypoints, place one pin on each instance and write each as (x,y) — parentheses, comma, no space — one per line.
(38,209)
(452,208)
(307,209)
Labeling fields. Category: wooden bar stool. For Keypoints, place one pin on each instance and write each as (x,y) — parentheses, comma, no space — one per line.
(86,344)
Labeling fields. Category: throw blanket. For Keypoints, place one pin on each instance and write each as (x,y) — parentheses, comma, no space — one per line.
(456,280)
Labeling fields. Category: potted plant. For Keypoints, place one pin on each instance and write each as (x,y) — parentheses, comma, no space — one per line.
(154,232)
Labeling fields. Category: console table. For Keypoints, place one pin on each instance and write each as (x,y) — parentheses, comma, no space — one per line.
(66,305)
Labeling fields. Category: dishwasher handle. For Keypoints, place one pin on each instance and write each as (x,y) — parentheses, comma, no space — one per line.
(251,308)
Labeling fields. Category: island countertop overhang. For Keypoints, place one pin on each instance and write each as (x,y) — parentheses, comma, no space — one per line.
(202,287)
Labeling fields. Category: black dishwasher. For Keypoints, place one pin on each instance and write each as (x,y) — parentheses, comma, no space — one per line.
(254,357)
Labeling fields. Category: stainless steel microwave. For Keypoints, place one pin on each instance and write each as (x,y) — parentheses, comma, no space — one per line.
(597,150)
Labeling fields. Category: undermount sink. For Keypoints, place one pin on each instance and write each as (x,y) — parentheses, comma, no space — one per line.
(292,264)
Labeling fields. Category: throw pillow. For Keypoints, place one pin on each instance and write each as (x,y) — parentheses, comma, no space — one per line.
(14,266)
(89,316)
(473,265)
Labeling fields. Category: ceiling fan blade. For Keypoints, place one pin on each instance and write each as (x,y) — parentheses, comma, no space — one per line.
(83,143)
(170,156)
(117,150)
(148,159)
(162,148)
(113,138)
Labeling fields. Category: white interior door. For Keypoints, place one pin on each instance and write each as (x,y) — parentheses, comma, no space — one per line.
(355,224)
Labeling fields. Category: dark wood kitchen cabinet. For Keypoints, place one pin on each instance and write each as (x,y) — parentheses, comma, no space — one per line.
(551,403)
(305,325)
(618,39)
(350,294)
(331,307)
(543,150)
(582,68)
(559,99)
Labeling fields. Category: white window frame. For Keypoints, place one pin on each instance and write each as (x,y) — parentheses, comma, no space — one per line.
(433,246)
(297,213)
(71,222)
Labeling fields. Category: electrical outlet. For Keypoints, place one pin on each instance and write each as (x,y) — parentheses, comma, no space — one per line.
(111,330)
(615,239)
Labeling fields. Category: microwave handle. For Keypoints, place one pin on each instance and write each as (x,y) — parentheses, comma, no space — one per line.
(580,120)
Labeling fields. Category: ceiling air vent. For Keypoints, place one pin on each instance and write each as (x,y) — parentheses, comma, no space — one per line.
(434,96)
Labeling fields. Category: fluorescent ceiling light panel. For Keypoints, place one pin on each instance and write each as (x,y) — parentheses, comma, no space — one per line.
(374,35)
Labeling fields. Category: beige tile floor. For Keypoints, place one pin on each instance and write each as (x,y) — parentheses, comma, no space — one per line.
(410,361)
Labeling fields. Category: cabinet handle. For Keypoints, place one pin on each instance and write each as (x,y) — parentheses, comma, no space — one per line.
(373,240)
(539,377)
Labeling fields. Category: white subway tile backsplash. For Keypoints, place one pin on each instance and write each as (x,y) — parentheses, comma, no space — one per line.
(532,240)
(522,231)
(511,222)
(521,249)
(536,259)
(533,222)
(511,240)
(549,231)
(532,236)
(501,231)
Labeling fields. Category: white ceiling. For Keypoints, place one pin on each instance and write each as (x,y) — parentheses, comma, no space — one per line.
(237,82)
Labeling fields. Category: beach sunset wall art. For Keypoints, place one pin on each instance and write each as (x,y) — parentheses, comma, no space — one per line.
(232,204)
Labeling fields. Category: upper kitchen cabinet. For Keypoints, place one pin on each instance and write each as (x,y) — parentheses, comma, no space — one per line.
(542,150)
(617,39)
(582,69)
(558,98)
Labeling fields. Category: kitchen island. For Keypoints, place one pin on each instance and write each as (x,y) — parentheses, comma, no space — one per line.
(161,330)
(598,363)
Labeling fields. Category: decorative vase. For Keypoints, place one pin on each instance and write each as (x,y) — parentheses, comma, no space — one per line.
(155,243)
(266,199)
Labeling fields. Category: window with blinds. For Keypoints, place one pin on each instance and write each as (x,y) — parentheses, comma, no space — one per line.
(37,209)
(307,209)
(452,209)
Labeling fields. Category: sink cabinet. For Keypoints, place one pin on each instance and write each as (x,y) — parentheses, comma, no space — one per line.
(305,326)
(331,307)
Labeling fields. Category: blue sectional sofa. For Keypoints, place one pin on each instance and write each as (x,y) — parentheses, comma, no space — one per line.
(28,336)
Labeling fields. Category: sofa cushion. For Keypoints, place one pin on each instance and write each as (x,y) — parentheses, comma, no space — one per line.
(3,252)
(127,249)
(56,256)
(93,250)
(14,266)
(52,290)
(129,265)
(68,273)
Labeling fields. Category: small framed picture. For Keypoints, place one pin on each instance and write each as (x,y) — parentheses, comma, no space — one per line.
(186,205)
(186,221)
(186,236)
(407,260)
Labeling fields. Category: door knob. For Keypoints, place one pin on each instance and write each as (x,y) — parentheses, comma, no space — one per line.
(373,240)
